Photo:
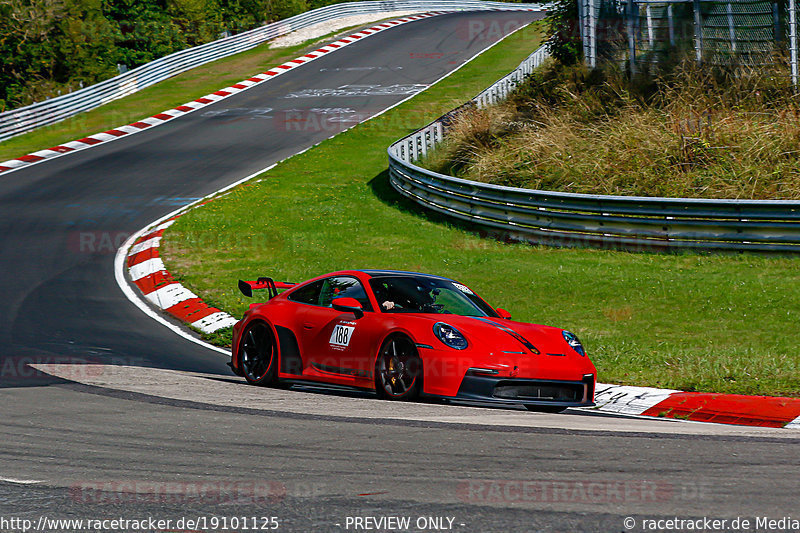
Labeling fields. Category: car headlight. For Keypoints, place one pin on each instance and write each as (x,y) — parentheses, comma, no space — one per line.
(450,336)
(574,343)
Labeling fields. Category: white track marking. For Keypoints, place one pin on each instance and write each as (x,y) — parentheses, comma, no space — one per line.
(166,224)
(21,481)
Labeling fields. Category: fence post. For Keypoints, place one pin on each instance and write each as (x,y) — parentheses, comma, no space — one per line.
(592,34)
(731,29)
(582,28)
(793,39)
(698,30)
(631,38)
(671,23)
(650,37)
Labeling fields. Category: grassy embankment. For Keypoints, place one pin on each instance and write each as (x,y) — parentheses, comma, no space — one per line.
(688,132)
(711,323)
(157,98)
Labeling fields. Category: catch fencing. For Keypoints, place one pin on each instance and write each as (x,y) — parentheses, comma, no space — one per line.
(18,121)
(587,220)
(719,32)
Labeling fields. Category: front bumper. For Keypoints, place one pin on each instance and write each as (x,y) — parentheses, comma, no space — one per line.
(527,391)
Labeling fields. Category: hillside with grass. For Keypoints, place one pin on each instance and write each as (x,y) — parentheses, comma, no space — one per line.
(686,130)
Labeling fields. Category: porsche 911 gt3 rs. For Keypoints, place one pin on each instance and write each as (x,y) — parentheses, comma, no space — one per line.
(406,334)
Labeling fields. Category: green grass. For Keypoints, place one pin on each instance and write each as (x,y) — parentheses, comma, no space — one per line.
(165,95)
(710,323)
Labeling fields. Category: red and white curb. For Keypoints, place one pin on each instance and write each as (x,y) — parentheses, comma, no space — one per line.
(764,411)
(148,273)
(169,114)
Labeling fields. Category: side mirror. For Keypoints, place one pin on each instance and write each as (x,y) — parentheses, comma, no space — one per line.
(503,314)
(348,305)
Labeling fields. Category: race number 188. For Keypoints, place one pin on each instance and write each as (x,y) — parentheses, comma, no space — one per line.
(341,335)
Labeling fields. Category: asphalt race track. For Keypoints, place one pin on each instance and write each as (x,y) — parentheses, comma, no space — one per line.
(85,446)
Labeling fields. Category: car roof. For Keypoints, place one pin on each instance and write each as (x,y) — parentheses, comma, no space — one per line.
(381,273)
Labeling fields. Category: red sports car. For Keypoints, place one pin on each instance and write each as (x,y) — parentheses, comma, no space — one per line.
(405,334)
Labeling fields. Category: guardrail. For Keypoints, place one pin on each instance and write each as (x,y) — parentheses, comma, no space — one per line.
(588,220)
(18,121)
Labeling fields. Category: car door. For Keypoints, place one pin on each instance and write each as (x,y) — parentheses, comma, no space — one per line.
(295,348)
(339,345)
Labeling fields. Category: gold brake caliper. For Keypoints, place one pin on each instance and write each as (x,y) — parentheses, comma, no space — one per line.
(391,369)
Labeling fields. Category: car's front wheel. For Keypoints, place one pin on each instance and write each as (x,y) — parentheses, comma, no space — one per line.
(257,354)
(398,370)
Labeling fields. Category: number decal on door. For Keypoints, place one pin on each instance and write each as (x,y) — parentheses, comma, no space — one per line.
(341,335)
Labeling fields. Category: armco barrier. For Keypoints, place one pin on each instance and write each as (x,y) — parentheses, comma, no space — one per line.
(569,219)
(27,118)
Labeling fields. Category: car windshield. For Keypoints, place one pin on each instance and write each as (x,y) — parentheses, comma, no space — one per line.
(421,294)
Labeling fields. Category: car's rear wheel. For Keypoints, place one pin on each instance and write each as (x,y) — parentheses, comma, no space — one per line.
(545,408)
(257,354)
(398,370)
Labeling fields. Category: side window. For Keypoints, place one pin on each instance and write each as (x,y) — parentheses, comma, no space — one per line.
(343,287)
(308,294)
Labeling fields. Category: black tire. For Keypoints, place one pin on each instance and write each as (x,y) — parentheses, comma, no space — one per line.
(545,408)
(398,370)
(258,355)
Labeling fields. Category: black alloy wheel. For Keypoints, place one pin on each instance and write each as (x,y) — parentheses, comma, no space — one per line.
(398,370)
(257,355)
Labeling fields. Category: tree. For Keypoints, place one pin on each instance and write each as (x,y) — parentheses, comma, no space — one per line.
(563,32)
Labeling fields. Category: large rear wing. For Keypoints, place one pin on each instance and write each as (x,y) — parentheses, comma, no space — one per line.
(247,287)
